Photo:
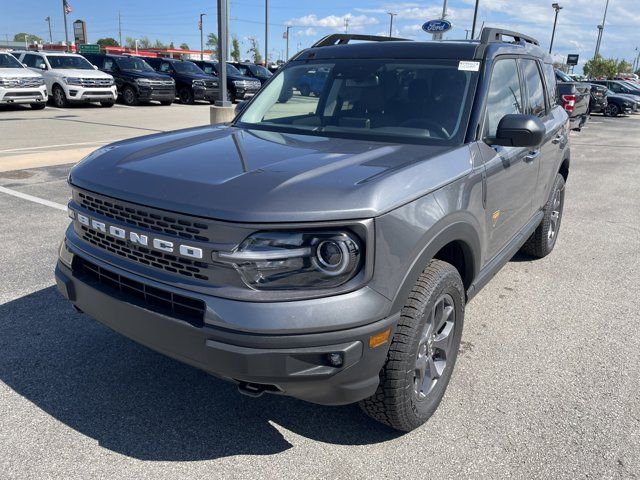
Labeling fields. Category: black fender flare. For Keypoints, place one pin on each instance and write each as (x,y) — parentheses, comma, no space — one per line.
(447,230)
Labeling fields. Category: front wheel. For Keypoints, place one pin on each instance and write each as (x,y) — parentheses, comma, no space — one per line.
(541,242)
(107,104)
(58,97)
(38,106)
(186,96)
(423,351)
(166,102)
(129,96)
(612,110)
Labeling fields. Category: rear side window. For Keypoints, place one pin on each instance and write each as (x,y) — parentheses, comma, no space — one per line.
(552,86)
(535,87)
(32,61)
(504,95)
(108,64)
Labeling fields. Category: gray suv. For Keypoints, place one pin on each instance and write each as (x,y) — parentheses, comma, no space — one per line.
(325,246)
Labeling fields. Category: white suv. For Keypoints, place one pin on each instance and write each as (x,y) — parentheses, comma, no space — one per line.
(71,78)
(18,84)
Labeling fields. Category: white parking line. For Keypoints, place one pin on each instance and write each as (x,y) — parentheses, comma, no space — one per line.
(31,198)
(122,106)
(56,108)
(45,147)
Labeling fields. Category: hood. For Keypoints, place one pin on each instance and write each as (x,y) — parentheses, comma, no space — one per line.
(18,72)
(150,75)
(227,173)
(78,72)
(192,76)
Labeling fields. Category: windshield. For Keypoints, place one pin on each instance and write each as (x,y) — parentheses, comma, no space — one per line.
(132,64)
(9,61)
(68,62)
(187,67)
(424,101)
(259,71)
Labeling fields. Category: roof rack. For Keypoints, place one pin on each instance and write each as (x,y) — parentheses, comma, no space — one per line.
(344,38)
(490,35)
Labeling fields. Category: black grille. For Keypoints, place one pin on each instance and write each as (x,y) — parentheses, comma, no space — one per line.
(155,299)
(139,216)
(154,258)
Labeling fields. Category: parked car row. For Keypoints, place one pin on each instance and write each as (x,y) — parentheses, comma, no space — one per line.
(609,97)
(35,77)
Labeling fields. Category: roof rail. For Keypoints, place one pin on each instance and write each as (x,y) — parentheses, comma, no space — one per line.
(490,35)
(344,38)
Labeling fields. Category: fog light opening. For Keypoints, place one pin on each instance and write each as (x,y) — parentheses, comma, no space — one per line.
(335,359)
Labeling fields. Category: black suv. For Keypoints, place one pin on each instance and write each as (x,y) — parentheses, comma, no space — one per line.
(191,82)
(325,247)
(253,71)
(136,80)
(239,87)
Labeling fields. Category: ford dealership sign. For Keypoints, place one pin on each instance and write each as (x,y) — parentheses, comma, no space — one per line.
(437,26)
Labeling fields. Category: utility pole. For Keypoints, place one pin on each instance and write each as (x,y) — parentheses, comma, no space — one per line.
(636,62)
(201,27)
(48,20)
(557,8)
(391,15)
(120,28)
(475,18)
(65,7)
(346,25)
(466,33)
(287,37)
(266,32)
(601,30)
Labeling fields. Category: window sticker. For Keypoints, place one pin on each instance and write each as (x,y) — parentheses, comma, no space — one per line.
(468,66)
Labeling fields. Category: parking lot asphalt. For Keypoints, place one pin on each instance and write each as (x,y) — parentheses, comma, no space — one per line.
(546,385)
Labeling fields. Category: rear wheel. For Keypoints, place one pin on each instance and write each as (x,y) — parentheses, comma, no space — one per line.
(129,96)
(541,242)
(38,106)
(305,90)
(423,351)
(186,96)
(58,97)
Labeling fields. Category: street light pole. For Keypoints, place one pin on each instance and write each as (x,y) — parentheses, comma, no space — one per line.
(391,15)
(222,54)
(557,8)
(266,33)
(438,36)
(201,26)
(66,32)
(48,20)
(475,18)
(287,34)
(601,30)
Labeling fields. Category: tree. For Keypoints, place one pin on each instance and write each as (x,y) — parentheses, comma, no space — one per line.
(235,49)
(159,44)
(254,50)
(624,66)
(599,67)
(19,37)
(172,46)
(144,42)
(184,46)
(108,42)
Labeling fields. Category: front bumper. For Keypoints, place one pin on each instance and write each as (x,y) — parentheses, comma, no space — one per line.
(204,93)
(146,94)
(296,365)
(100,94)
(9,96)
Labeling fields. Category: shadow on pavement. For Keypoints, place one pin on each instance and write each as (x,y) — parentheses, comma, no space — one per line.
(141,404)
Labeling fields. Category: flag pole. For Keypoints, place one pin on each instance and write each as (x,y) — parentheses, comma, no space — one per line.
(66,32)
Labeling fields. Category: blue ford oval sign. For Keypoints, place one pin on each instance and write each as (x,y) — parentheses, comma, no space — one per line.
(437,26)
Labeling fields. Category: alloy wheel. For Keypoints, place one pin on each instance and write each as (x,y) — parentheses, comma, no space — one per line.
(434,347)
(556,211)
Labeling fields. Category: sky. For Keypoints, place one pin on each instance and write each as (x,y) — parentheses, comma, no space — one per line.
(177,22)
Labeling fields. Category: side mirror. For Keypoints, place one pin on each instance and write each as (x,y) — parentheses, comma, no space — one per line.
(518,130)
(240,106)
(42,66)
(95,67)
(24,64)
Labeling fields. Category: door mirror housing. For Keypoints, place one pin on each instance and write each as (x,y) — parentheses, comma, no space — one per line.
(95,67)
(42,66)
(519,130)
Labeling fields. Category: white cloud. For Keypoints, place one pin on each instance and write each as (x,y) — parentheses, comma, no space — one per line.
(334,21)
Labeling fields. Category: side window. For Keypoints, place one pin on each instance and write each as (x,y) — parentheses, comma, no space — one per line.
(244,70)
(165,67)
(552,87)
(615,87)
(535,88)
(504,95)
(108,64)
(32,61)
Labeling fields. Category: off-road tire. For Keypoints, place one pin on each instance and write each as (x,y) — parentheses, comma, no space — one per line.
(541,242)
(396,402)
(186,96)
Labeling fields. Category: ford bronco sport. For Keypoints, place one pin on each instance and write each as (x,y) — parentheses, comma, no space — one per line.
(324,247)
